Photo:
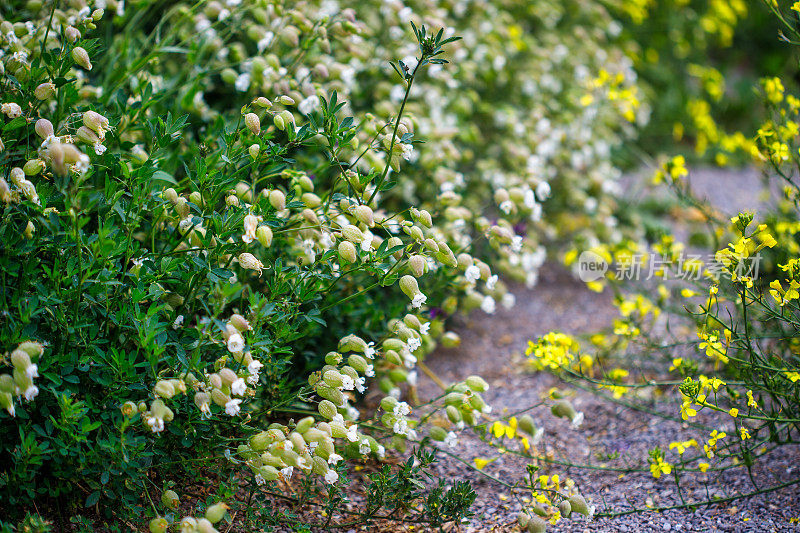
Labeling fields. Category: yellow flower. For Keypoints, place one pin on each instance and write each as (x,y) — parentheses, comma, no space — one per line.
(659,466)
(676,363)
(743,433)
(683,446)
(734,412)
(751,402)
(480,462)
(703,466)
(792,376)
(687,410)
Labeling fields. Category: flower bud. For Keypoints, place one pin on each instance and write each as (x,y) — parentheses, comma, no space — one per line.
(44,91)
(253,123)
(450,340)
(477,383)
(158,525)
(240,322)
(164,389)
(44,128)
(417,264)
(128,409)
(170,500)
(81,57)
(327,409)
(262,102)
(347,252)
(215,513)
(29,230)
(277,200)
(96,122)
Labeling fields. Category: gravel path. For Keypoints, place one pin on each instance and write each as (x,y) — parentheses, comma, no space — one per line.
(492,346)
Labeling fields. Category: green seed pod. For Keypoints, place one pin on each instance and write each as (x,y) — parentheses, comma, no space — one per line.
(398,375)
(271,460)
(279,122)
(578,504)
(44,91)
(262,102)
(352,343)
(297,441)
(539,509)
(523,519)
(254,150)
(477,383)
(169,499)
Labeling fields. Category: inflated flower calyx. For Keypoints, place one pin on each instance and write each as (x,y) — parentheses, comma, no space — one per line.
(565,508)
(164,389)
(215,513)
(170,499)
(578,504)
(158,525)
(450,340)
(527,424)
(81,57)
(347,252)
(438,433)
(409,286)
(417,264)
(477,383)
(523,519)
(253,123)
(537,525)
(327,409)
(364,215)
(277,200)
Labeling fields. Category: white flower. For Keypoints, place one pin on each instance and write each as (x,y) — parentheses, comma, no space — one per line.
(516,243)
(260,480)
(402,409)
(451,439)
(491,282)
(178,322)
(363,447)
(543,191)
(331,477)
(537,437)
(352,433)
(472,274)
(232,407)
(99,149)
(408,149)
(488,305)
(400,427)
(265,42)
(31,392)
(255,366)
(250,227)
(156,424)
(414,344)
(338,419)
(370,371)
(334,458)
(418,300)
(308,105)
(235,343)
(287,472)
(381,451)
(425,328)
(508,300)
(411,378)
(347,382)
(506,206)
(238,387)
(359,384)
(242,82)
(577,421)
(369,351)
(32,371)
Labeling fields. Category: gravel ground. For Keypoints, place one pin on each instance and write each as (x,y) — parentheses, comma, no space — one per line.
(492,347)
